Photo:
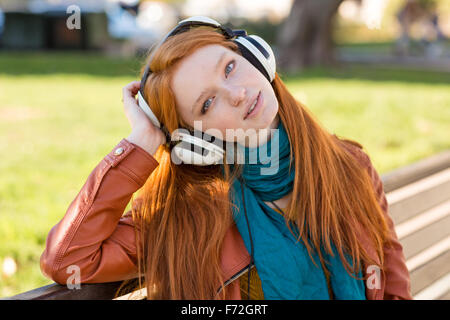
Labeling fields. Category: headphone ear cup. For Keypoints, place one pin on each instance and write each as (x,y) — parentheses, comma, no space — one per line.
(195,150)
(259,53)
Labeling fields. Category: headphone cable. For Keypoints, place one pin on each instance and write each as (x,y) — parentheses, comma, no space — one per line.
(251,240)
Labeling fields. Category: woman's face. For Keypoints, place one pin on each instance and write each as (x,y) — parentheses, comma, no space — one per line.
(217,87)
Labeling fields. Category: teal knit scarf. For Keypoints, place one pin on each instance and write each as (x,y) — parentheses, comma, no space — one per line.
(283,264)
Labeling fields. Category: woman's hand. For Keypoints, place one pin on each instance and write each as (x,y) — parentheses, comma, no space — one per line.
(143,132)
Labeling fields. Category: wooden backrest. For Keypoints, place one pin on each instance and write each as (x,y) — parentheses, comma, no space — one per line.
(419,204)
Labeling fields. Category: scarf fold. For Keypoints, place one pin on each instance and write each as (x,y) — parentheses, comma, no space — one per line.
(284,266)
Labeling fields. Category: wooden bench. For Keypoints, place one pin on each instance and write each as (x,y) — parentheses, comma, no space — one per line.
(419,203)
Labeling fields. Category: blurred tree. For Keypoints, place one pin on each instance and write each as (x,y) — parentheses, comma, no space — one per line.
(305,37)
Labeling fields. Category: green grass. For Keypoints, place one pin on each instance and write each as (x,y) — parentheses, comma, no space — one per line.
(61,113)
(400,116)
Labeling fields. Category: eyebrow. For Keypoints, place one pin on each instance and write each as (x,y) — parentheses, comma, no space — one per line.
(219,63)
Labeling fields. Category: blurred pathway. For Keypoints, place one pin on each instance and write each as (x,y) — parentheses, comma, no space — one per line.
(413,62)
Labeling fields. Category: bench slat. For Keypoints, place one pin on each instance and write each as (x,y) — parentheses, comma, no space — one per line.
(411,200)
(418,170)
(425,237)
(425,275)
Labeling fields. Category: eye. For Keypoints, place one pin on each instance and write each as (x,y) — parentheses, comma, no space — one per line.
(205,104)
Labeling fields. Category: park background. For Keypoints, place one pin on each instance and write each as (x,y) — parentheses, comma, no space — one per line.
(60,98)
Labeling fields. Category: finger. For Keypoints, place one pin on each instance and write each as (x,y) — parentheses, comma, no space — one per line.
(129,92)
(133,83)
(128,98)
(135,90)
(131,86)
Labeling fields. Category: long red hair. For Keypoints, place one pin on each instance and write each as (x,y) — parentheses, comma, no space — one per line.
(183,211)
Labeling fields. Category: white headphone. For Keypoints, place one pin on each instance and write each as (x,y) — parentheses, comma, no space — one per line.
(193,147)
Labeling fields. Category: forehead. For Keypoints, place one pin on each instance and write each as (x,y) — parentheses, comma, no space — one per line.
(202,60)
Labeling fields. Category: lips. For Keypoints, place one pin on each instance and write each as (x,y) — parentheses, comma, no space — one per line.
(251,104)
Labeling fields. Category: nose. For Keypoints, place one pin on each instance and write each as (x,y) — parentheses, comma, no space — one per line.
(237,95)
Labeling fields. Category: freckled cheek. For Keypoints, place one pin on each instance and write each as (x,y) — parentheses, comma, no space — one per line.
(227,123)
(219,129)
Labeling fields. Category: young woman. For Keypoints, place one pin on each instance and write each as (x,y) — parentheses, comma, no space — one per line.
(317,227)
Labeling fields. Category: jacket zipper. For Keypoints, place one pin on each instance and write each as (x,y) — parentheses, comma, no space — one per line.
(235,276)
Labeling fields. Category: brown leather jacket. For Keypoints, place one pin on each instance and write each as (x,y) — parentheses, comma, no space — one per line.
(96,236)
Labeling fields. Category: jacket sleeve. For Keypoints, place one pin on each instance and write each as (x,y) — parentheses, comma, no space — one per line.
(94,237)
(396,274)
